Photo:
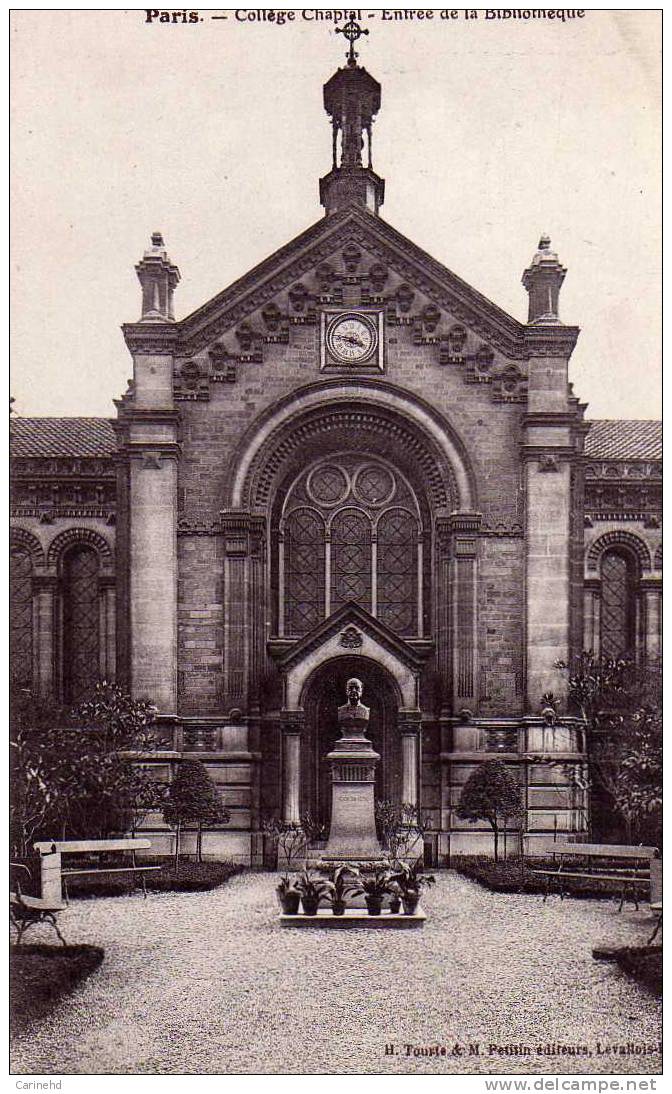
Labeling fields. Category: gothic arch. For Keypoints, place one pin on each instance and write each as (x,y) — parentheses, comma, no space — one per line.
(628,540)
(658,557)
(381,415)
(19,537)
(87,536)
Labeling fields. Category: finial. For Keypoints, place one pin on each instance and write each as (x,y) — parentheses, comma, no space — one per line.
(353,32)
(157,239)
(545,243)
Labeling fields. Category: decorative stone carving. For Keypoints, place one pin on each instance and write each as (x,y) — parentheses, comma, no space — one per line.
(351,639)
(352,256)
(325,277)
(548,461)
(299,297)
(378,276)
(404,298)
(431,317)
(613,539)
(78,535)
(19,537)
(271,316)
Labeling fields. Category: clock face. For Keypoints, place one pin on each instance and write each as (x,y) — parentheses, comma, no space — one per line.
(352,338)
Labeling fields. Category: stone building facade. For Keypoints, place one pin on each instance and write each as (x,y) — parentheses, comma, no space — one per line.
(347,463)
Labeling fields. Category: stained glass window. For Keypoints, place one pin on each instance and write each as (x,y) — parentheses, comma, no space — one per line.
(21,618)
(617,615)
(330,514)
(304,569)
(350,559)
(397,571)
(81,623)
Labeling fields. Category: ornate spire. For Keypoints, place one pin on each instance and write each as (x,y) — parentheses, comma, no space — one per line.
(351,99)
(543,279)
(158,278)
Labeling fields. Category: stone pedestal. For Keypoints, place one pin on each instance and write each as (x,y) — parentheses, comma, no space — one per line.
(353,826)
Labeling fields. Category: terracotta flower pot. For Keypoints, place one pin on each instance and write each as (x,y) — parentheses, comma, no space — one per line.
(395,905)
(289,902)
(410,904)
(374,904)
(309,905)
(338,907)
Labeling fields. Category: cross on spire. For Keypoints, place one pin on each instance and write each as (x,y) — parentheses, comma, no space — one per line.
(353,32)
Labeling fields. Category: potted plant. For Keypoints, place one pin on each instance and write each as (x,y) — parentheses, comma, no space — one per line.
(375,887)
(395,897)
(288,895)
(340,886)
(411,881)
(312,891)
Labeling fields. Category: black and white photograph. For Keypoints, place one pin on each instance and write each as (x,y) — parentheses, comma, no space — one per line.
(335,683)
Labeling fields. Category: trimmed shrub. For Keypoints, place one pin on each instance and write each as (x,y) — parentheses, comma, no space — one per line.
(491,794)
(193,799)
(189,877)
(41,975)
(514,875)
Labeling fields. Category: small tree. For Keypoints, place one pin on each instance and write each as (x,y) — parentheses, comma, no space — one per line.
(72,770)
(491,794)
(193,799)
(620,701)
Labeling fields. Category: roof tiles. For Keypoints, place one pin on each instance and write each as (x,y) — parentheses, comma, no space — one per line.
(620,439)
(79,437)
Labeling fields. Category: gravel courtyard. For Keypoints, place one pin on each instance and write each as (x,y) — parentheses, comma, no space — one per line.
(208,983)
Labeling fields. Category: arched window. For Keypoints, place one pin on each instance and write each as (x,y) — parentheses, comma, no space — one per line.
(21,617)
(81,622)
(350,559)
(397,571)
(618,612)
(304,559)
(350,532)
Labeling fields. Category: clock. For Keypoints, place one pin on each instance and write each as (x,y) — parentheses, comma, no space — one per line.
(352,338)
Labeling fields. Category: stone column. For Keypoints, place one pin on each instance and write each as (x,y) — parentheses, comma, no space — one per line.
(153,569)
(108,613)
(147,431)
(244,597)
(443,613)
(464,528)
(548,495)
(591,615)
(651,597)
(291,769)
(550,443)
(44,652)
(410,759)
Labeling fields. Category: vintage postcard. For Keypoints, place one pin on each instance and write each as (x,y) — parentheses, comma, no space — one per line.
(336,544)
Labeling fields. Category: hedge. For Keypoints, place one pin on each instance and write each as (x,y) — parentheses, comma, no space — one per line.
(514,875)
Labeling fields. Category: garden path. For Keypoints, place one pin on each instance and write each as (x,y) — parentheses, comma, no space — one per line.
(207,983)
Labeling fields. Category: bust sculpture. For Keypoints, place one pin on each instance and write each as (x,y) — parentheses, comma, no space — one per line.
(353,716)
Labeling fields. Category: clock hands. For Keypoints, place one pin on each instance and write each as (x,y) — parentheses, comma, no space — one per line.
(351,339)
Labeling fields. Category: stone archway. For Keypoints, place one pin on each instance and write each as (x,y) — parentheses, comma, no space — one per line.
(323,693)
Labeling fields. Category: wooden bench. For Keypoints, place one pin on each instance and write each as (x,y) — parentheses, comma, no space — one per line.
(617,864)
(54,879)
(27,911)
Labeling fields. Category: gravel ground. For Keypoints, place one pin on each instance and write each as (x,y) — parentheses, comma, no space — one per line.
(208,983)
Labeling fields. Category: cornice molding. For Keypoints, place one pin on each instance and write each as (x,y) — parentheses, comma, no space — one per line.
(311,249)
